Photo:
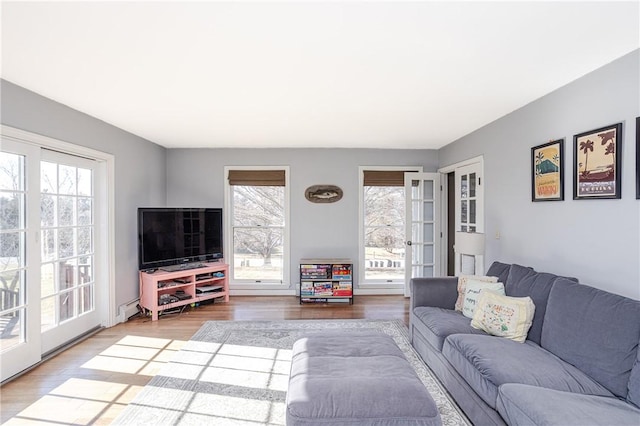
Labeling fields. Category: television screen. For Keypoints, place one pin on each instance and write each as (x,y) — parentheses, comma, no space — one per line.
(175,236)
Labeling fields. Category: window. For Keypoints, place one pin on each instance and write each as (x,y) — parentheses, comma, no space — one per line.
(382,243)
(257,218)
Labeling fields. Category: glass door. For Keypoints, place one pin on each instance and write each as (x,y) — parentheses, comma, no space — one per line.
(67,258)
(47,255)
(422,226)
(19,274)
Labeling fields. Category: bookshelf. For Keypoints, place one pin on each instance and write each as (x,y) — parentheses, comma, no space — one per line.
(326,281)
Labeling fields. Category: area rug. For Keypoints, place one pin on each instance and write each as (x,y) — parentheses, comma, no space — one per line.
(236,373)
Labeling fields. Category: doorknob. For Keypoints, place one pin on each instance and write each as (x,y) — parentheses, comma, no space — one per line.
(408,243)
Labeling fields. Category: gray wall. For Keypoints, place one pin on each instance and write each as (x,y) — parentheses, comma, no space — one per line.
(195,178)
(597,241)
(140,170)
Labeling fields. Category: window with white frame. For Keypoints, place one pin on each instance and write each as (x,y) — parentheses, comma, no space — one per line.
(257,218)
(382,224)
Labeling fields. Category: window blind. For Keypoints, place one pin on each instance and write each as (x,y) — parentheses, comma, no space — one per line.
(386,177)
(257,177)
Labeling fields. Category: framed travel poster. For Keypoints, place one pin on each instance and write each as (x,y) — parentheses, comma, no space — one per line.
(547,176)
(597,158)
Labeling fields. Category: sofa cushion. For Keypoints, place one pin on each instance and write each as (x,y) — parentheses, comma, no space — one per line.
(462,287)
(525,405)
(472,294)
(435,324)
(517,273)
(486,362)
(504,316)
(499,270)
(633,394)
(596,331)
(537,286)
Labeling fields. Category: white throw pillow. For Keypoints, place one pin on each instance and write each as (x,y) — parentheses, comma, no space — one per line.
(472,294)
(462,287)
(504,316)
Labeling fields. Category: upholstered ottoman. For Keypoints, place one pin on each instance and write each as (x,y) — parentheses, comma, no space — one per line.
(355,378)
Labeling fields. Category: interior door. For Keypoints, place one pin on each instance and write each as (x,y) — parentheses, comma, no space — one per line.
(422,191)
(19,268)
(469,207)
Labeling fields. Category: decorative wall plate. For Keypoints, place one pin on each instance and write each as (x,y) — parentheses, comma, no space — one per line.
(323,193)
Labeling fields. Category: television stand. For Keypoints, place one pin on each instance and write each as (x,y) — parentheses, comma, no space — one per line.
(162,290)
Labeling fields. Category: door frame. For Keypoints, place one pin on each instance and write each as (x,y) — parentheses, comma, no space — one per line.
(105,216)
(444,205)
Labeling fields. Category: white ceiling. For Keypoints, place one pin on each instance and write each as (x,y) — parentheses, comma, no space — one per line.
(307,74)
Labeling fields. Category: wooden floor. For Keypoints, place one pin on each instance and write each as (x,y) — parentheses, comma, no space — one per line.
(94,380)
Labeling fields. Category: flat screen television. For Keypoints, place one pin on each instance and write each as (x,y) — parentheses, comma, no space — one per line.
(176,238)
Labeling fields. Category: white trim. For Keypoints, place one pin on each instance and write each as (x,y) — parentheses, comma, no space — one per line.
(364,283)
(452,167)
(381,285)
(378,292)
(107,310)
(261,292)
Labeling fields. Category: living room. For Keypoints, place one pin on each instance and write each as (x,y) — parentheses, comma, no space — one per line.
(596,241)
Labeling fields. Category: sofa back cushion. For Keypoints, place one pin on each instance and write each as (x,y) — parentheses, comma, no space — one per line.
(634,382)
(594,330)
(500,270)
(516,274)
(537,286)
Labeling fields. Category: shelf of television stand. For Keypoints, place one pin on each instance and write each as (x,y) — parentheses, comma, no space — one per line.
(204,276)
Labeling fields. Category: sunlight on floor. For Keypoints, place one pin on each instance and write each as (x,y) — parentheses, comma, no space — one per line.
(206,370)
(80,400)
(223,382)
(136,355)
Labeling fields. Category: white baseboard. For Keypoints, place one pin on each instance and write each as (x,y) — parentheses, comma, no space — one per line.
(378,291)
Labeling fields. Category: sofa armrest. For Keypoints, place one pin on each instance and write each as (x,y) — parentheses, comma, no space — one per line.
(440,292)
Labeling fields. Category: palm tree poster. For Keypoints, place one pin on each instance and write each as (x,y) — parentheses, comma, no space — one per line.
(547,180)
(596,163)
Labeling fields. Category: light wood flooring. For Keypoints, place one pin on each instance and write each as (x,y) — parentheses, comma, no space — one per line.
(93,381)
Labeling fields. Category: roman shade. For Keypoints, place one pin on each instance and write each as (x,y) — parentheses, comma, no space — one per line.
(257,177)
(386,177)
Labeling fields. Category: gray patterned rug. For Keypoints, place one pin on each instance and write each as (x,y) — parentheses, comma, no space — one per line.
(236,373)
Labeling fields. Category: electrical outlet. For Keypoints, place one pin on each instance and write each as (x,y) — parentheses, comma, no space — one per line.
(497,235)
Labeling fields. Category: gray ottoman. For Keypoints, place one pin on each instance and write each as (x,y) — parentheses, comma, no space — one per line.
(355,378)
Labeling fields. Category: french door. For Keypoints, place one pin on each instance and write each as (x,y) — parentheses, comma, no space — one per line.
(67,261)
(47,252)
(19,257)
(422,251)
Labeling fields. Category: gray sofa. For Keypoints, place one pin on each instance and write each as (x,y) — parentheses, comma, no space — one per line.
(580,364)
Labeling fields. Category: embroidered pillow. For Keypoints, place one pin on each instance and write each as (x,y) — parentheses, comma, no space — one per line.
(462,287)
(472,294)
(504,316)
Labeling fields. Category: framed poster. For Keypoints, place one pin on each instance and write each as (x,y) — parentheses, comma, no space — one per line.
(597,158)
(547,175)
(638,158)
